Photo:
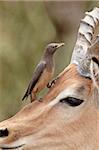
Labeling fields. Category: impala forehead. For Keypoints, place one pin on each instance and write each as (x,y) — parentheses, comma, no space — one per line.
(72,91)
(77,88)
(72,84)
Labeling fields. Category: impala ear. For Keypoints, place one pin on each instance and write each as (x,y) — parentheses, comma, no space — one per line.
(94,68)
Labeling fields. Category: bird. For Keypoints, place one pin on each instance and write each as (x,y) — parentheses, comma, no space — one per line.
(43,72)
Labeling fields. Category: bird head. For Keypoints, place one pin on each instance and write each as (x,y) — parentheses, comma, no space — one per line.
(52,47)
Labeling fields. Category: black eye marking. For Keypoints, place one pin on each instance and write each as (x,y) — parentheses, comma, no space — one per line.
(71,101)
(95,60)
(88,78)
(4,132)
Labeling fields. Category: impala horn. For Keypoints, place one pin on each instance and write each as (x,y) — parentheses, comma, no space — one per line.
(81,55)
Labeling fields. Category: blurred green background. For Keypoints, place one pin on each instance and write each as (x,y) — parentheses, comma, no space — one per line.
(25,29)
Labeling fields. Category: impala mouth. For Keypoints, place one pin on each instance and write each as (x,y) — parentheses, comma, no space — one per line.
(7,147)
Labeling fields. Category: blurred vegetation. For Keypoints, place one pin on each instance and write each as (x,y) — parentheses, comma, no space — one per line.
(25,29)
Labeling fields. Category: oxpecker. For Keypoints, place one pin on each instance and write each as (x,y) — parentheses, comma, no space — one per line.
(43,72)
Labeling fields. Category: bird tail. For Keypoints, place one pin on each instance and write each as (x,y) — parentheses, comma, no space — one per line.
(25,95)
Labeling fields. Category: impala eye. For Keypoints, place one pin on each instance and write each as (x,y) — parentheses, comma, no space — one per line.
(71,101)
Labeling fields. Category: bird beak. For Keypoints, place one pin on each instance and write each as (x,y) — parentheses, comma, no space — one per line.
(60,44)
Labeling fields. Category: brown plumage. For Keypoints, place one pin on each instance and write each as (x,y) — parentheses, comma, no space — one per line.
(43,72)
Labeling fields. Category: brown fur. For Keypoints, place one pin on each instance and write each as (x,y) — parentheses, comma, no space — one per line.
(59,127)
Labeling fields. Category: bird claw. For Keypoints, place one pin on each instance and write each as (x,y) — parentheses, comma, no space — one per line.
(40,100)
(49,85)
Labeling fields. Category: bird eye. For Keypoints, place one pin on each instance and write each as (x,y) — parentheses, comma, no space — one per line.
(71,101)
(55,46)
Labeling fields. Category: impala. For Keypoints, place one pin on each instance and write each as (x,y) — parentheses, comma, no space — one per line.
(68,116)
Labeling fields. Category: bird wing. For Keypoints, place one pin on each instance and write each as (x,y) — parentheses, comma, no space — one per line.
(36,75)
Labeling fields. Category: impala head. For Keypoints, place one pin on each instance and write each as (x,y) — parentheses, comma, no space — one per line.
(67,119)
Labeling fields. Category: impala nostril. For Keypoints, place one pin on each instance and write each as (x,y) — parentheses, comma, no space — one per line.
(4,132)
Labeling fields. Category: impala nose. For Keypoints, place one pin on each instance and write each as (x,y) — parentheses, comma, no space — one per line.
(4,132)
